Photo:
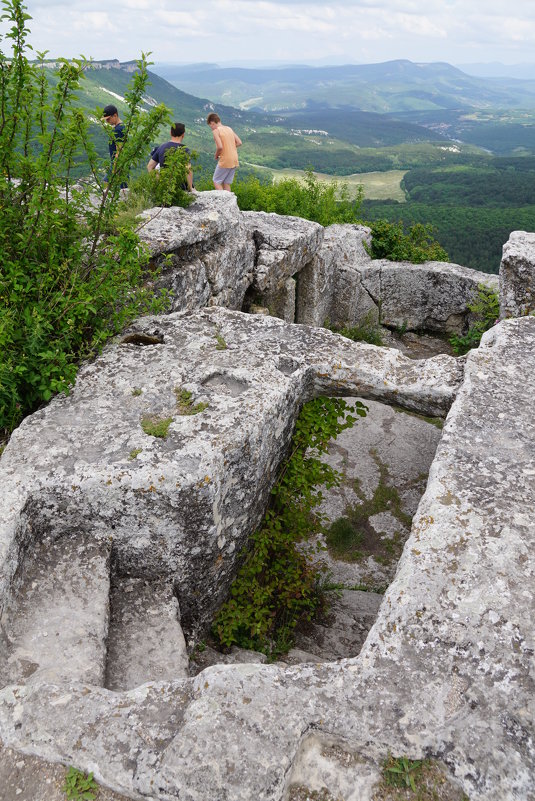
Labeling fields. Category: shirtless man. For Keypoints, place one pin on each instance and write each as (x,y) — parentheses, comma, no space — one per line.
(226,154)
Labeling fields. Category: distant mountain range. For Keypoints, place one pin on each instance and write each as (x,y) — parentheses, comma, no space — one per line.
(389,87)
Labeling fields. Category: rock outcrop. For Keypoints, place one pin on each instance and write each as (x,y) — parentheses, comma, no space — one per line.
(211,254)
(517,275)
(446,670)
(125,504)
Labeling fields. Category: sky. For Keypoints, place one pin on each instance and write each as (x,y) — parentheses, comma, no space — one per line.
(287,31)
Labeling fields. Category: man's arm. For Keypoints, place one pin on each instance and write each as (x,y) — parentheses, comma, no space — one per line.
(151,165)
(237,141)
(218,143)
(189,178)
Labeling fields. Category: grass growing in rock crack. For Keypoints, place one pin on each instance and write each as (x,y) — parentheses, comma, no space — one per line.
(184,403)
(368,330)
(405,779)
(156,426)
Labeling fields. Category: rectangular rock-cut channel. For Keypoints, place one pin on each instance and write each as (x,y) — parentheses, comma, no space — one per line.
(57,624)
(145,641)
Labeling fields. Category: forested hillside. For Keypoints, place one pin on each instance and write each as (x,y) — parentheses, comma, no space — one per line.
(473,209)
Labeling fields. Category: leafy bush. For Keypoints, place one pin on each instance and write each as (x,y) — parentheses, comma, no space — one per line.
(69,277)
(325,203)
(486,308)
(278,585)
(389,241)
(158,188)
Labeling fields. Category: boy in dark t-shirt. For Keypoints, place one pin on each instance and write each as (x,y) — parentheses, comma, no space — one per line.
(157,156)
(111,116)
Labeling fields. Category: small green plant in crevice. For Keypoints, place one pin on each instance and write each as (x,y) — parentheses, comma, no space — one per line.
(156,426)
(278,584)
(402,772)
(405,779)
(352,538)
(134,453)
(486,308)
(184,403)
(136,392)
(220,339)
(79,786)
(368,330)
(389,241)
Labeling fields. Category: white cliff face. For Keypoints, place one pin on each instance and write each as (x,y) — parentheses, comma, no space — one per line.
(113,540)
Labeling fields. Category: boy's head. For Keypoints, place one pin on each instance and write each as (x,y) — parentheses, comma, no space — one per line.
(110,115)
(178,129)
(213,119)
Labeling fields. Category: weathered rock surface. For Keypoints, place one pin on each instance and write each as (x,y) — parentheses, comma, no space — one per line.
(517,275)
(385,463)
(432,296)
(446,671)
(343,633)
(284,246)
(180,508)
(213,254)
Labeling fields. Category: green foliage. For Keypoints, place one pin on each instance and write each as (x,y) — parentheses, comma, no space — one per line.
(79,786)
(368,330)
(156,426)
(325,203)
(184,402)
(401,772)
(163,187)
(134,453)
(136,392)
(278,584)
(486,308)
(389,241)
(69,278)
(220,339)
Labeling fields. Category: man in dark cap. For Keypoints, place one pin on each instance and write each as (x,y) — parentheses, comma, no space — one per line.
(111,116)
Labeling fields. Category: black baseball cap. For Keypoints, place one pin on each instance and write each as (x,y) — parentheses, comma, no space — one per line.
(109,111)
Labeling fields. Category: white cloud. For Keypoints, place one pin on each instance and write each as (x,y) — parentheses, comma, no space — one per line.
(292,30)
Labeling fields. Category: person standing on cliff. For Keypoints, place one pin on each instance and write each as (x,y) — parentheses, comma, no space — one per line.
(226,154)
(111,116)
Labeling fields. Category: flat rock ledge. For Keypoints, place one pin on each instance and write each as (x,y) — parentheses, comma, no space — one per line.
(447,671)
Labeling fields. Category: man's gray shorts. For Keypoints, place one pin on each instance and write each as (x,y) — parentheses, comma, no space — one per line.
(223,175)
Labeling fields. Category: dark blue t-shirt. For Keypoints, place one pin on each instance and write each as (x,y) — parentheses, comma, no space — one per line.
(119,133)
(158,154)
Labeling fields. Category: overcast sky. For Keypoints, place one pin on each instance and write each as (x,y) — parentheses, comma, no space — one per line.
(344,31)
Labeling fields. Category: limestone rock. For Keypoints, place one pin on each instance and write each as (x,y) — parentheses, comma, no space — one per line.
(284,245)
(432,296)
(446,670)
(517,275)
(205,252)
(180,507)
(330,286)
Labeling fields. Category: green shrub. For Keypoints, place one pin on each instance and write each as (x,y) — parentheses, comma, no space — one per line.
(389,241)
(278,584)
(323,202)
(69,277)
(486,308)
(158,188)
